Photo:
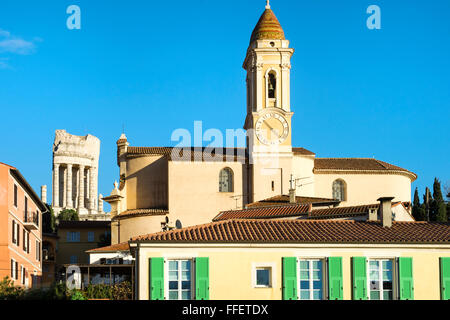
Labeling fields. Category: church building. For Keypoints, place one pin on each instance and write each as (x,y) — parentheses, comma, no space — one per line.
(175,187)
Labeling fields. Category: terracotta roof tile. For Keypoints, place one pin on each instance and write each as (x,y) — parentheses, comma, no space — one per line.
(342,211)
(305,231)
(268,27)
(358,164)
(302,151)
(141,212)
(124,246)
(265,212)
(284,199)
(196,154)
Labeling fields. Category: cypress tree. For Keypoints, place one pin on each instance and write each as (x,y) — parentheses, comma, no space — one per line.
(427,199)
(438,208)
(417,210)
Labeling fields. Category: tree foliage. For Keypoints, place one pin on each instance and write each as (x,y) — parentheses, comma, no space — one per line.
(68,215)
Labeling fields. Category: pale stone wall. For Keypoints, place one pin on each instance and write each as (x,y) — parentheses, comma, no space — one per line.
(365,188)
(124,229)
(147,182)
(194,196)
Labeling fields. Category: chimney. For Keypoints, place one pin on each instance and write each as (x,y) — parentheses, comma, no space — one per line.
(292,198)
(386,211)
(44,194)
(373,214)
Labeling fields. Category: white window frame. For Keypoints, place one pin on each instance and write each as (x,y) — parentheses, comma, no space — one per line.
(166,277)
(394,276)
(272,270)
(13,271)
(324,277)
(22,275)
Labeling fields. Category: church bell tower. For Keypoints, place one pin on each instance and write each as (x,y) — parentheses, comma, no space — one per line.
(268,121)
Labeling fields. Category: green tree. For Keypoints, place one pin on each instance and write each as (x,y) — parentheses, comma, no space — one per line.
(68,215)
(418,210)
(48,220)
(438,209)
(427,200)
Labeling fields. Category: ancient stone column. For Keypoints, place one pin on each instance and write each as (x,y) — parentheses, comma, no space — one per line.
(81,188)
(56,185)
(100,203)
(91,188)
(69,187)
(64,204)
(44,194)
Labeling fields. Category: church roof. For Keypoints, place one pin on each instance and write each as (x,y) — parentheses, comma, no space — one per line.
(285,200)
(305,231)
(268,27)
(357,164)
(276,212)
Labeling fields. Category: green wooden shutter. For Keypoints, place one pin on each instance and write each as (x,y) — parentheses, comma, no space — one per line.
(202,278)
(445,278)
(336,289)
(289,278)
(359,277)
(405,268)
(156,280)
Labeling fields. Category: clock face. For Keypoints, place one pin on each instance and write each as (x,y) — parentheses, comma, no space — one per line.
(272,129)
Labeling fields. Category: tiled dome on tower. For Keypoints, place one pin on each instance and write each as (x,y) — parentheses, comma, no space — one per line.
(268,27)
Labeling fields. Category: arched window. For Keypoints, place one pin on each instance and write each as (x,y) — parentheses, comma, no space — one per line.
(272,85)
(226,180)
(339,190)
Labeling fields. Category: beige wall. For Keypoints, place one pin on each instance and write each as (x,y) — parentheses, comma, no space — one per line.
(230,268)
(365,188)
(146,184)
(194,196)
(133,227)
(302,167)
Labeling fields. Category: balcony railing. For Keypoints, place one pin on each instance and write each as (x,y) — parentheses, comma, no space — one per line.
(31,221)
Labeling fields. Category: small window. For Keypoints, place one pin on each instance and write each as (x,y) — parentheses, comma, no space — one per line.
(272,85)
(273,185)
(226,180)
(180,280)
(263,277)
(15,196)
(91,236)
(26,209)
(339,190)
(311,285)
(73,236)
(38,250)
(380,279)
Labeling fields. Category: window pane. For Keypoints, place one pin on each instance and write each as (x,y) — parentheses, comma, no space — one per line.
(373,264)
(387,295)
(173,275)
(186,265)
(263,277)
(304,275)
(185,285)
(374,275)
(304,284)
(186,275)
(374,295)
(304,265)
(186,295)
(387,275)
(317,295)
(173,295)
(387,285)
(173,265)
(304,295)
(317,264)
(317,284)
(173,285)
(387,265)
(317,275)
(374,285)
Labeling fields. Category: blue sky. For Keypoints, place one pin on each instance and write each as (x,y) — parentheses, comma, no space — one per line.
(155,66)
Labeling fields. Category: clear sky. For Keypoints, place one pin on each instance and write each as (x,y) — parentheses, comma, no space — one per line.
(155,66)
